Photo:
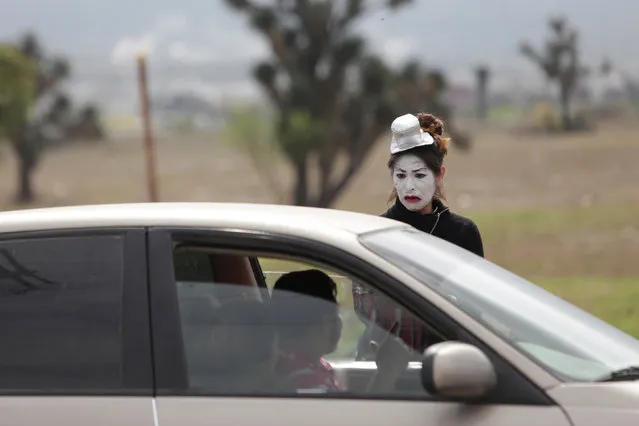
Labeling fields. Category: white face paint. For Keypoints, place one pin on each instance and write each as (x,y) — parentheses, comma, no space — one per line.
(414,181)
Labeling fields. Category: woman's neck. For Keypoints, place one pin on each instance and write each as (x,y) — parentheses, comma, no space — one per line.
(428,208)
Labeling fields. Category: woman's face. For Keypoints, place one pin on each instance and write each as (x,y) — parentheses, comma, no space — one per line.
(414,181)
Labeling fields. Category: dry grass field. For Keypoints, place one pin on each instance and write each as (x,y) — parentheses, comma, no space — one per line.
(562,211)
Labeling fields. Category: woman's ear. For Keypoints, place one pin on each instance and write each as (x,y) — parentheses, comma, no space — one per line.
(442,173)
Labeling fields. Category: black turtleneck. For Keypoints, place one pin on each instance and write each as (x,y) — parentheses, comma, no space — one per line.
(441,223)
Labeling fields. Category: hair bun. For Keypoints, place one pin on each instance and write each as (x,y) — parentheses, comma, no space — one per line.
(431,124)
(442,145)
(435,126)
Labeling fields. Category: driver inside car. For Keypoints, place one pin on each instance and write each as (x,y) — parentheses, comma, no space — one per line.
(305,308)
(306,312)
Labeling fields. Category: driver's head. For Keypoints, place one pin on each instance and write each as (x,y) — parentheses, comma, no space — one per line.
(305,308)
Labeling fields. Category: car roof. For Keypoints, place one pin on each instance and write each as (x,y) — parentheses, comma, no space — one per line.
(301,221)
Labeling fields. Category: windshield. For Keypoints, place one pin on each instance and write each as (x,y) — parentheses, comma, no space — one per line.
(569,342)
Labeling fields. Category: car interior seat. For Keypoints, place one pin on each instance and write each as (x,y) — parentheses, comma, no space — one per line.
(229,342)
(244,348)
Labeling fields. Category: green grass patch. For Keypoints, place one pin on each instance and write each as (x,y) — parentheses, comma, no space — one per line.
(518,224)
(614,300)
(505,112)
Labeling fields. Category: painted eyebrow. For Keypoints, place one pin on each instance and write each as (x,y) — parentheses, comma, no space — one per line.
(414,171)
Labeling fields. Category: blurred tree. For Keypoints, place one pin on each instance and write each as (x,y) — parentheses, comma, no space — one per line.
(482,74)
(251,130)
(85,125)
(16,90)
(333,100)
(50,109)
(561,63)
(46,114)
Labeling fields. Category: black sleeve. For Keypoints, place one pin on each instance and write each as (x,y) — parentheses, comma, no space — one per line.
(473,240)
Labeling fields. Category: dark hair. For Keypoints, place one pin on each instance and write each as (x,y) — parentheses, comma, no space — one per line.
(310,282)
(301,299)
(433,155)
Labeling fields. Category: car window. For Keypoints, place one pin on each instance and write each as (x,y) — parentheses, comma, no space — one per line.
(193,266)
(304,340)
(353,327)
(61,310)
(194,275)
(568,342)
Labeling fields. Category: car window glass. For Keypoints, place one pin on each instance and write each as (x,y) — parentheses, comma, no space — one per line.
(194,275)
(193,266)
(240,345)
(61,310)
(562,338)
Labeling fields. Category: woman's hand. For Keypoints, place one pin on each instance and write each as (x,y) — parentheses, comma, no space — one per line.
(392,357)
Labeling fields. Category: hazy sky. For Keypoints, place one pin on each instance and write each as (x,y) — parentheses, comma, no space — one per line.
(454,34)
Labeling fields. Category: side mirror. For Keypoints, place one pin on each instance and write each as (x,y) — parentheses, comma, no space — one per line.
(458,371)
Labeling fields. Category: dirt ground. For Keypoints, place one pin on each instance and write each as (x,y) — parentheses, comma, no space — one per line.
(591,177)
(507,171)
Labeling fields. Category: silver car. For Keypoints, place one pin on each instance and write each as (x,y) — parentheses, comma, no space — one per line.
(108,317)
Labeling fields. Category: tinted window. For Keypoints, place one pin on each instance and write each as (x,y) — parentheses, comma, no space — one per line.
(317,334)
(193,266)
(61,310)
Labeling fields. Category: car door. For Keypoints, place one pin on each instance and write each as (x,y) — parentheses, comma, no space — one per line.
(75,329)
(515,401)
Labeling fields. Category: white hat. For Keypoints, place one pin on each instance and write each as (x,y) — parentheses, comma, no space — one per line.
(408,134)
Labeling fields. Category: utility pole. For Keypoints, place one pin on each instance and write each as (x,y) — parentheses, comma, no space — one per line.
(149,145)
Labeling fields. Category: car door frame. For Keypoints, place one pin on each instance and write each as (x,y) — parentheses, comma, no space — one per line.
(134,402)
(170,366)
(136,335)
